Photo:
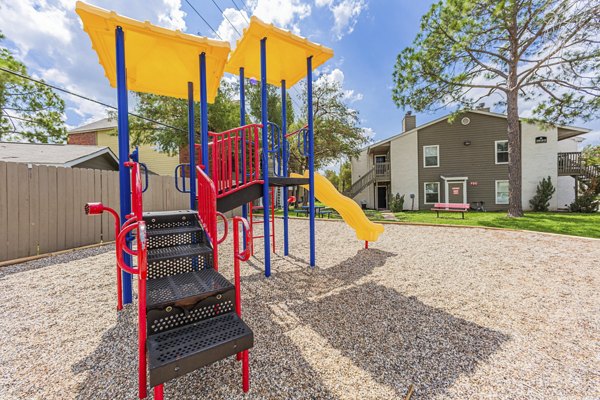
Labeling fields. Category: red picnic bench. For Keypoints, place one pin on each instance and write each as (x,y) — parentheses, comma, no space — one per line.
(451,207)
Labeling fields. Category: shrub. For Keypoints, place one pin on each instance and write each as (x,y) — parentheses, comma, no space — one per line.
(397,204)
(587,201)
(543,194)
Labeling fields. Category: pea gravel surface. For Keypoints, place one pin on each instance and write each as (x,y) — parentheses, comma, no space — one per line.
(456,313)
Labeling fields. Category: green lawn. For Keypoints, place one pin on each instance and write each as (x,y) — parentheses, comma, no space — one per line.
(564,223)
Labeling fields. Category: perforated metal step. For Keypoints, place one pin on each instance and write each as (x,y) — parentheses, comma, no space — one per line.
(173,231)
(186,289)
(176,352)
(175,236)
(185,250)
(170,219)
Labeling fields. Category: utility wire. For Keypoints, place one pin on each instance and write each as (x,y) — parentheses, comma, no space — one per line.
(88,99)
(203,19)
(225,16)
(241,13)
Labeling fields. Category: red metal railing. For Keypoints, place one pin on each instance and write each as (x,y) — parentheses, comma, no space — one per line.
(232,169)
(237,257)
(207,210)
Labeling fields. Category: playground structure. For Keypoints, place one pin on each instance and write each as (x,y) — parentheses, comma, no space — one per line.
(189,315)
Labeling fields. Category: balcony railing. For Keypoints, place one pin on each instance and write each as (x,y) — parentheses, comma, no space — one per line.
(571,164)
(382,170)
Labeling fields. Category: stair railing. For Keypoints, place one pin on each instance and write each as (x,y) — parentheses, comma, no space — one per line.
(237,257)
(276,148)
(360,184)
(207,210)
(233,169)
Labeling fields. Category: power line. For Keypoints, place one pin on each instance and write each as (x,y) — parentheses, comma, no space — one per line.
(241,13)
(88,99)
(203,19)
(225,16)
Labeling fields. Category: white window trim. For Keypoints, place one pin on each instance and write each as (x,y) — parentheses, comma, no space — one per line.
(496,152)
(438,157)
(455,181)
(425,192)
(496,191)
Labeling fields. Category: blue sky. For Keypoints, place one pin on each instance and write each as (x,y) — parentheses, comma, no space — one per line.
(365,35)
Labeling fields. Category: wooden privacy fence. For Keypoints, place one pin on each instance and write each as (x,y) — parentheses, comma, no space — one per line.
(41,207)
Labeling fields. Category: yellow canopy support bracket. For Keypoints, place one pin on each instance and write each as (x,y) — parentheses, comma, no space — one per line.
(159,61)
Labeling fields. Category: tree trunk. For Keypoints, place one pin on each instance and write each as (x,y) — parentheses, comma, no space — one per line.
(515,204)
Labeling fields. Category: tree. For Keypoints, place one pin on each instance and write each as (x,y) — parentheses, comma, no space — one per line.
(541,51)
(345,176)
(30,111)
(333,178)
(254,95)
(544,192)
(591,155)
(223,114)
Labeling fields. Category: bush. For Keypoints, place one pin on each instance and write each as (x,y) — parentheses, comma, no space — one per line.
(397,204)
(587,201)
(543,194)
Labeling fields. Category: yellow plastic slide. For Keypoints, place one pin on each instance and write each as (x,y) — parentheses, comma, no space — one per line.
(351,212)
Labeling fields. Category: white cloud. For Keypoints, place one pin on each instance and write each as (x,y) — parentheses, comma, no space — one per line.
(369,133)
(238,19)
(345,14)
(323,3)
(283,13)
(337,76)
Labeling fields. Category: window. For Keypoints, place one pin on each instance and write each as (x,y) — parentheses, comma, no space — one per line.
(431,156)
(501,192)
(501,151)
(432,192)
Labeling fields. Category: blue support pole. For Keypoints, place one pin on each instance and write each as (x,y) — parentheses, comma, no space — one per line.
(123,132)
(242,123)
(192,146)
(204,114)
(311,160)
(265,154)
(285,166)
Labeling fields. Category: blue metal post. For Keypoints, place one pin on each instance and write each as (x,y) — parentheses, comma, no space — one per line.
(285,166)
(265,154)
(242,123)
(204,114)
(123,132)
(192,145)
(311,160)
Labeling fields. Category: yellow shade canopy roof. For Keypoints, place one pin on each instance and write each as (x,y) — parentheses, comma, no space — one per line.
(286,54)
(158,60)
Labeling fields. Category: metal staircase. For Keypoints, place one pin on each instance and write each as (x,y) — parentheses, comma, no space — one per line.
(190,309)
(358,186)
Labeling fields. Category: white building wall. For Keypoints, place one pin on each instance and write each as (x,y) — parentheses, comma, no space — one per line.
(404,168)
(565,187)
(360,166)
(538,161)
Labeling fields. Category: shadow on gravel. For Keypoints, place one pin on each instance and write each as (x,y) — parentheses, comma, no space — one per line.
(400,340)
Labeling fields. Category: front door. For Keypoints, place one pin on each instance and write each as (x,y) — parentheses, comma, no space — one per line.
(456,192)
(381,197)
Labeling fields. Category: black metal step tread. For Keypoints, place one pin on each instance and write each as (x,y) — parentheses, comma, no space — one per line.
(185,289)
(174,230)
(287,181)
(184,250)
(175,213)
(176,352)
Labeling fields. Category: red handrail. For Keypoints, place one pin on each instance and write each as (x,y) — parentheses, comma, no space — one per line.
(207,210)
(287,135)
(225,226)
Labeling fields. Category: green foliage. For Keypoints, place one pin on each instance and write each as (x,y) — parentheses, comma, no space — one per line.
(333,178)
(30,111)
(397,204)
(345,176)
(543,51)
(253,94)
(223,114)
(588,199)
(590,155)
(543,193)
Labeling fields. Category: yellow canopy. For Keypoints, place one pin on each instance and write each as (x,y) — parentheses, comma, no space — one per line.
(159,61)
(286,54)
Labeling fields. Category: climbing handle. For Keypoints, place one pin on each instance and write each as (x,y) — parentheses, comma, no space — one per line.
(226,227)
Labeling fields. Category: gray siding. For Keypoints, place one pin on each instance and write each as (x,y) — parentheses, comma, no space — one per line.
(477,161)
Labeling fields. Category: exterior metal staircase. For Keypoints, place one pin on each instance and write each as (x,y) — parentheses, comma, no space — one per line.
(358,186)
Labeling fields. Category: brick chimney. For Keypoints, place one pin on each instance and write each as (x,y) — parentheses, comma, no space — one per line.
(409,122)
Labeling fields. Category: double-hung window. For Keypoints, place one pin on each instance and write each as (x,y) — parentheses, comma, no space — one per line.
(431,156)
(501,147)
(501,192)
(432,192)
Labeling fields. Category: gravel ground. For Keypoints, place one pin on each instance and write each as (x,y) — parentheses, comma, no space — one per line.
(457,313)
